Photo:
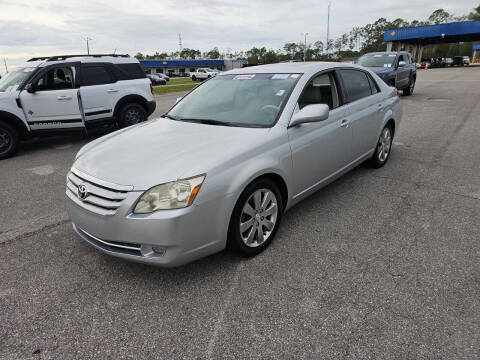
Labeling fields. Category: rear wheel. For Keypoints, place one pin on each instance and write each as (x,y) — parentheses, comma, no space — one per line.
(9,139)
(131,114)
(409,89)
(384,146)
(194,78)
(256,218)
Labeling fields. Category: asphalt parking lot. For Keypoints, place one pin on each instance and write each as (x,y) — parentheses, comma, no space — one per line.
(380,264)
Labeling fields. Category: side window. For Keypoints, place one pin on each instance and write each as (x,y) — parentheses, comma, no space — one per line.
(320,90)
(373,85)
(56,79)
(356,83)
(95,75)
(128,71)
(400,58)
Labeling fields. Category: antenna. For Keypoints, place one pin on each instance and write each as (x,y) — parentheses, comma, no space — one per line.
(328,25)
(180,42)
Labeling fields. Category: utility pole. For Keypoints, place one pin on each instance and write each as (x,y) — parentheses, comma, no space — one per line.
(328,26)
(180,43)
(87,39)
(5,62)
(305,49)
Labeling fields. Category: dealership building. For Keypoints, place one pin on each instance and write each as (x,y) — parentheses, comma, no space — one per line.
(180,66)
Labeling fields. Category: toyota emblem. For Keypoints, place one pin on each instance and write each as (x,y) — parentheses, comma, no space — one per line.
(82,192)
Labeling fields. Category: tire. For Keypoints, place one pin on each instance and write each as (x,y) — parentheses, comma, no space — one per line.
(194,78)
(409,89)
(257,218)
(9,139)
(391,83)
(131,114)
(383,148)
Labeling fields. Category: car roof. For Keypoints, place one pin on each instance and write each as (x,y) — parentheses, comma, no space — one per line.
(291,68)
(82,59)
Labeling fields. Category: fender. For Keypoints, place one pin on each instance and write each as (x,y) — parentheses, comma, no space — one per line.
(131,98)
(16,121)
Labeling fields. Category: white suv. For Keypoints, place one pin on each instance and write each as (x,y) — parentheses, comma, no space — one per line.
(203,73)
(74,92)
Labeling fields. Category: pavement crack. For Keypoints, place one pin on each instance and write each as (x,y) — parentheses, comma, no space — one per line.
(6,240)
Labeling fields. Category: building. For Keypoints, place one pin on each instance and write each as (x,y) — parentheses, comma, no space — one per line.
(181,67)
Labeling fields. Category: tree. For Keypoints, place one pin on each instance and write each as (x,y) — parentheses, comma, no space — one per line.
(139,56)
(212,54)
(187,53)
(475,14)
(439,16)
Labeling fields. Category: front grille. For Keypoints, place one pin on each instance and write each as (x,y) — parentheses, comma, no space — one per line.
(101,197)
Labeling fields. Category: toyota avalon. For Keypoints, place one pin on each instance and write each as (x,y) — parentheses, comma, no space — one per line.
(222,166)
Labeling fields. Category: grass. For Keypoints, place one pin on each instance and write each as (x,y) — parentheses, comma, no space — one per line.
(175,85)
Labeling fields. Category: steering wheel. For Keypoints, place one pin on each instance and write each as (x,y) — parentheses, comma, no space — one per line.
(270,107)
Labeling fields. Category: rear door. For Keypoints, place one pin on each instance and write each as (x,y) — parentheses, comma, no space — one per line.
(54,102)
(98,90)
(364,103)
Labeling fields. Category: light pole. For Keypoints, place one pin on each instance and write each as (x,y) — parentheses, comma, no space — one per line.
(87,39)
(305,49)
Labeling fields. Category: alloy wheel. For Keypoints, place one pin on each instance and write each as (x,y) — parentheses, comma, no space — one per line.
(384,145)
(132,116)
(5,140)
(258,217)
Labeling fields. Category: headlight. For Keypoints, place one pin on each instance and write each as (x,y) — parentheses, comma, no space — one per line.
(173,195)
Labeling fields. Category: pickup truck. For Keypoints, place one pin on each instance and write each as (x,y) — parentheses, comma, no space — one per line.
(397,69)
(203,73)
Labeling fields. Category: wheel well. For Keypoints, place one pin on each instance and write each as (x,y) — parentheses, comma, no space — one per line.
(391,122)
(130,99)
(278,180)
(15,121)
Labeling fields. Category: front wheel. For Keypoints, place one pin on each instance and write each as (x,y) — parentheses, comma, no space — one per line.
(409,89)
(382,151)
(256,218)
(194,78)
(9,139)
(131,114)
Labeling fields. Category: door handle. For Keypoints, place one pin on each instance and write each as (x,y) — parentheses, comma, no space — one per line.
(63,97)
(380,107)
(344,123)
(112,91)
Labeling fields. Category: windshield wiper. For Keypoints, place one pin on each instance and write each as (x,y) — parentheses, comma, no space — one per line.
(207,121)
(170,117)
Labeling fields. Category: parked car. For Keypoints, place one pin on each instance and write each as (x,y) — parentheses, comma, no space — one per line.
(203,73)
(233,155)
(397,69)
(49,95)
(449,61)
(156,80)
(458,61)
(163,76)
(466,60)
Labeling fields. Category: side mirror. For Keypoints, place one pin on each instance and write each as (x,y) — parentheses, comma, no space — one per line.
(401,63)
(30,88)
(310,113)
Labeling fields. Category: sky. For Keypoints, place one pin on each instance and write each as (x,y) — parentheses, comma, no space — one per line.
(51,27)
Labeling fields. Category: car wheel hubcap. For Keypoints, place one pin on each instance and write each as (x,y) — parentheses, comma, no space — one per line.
(132,116)
(384,145)
(258,217)
(5,140)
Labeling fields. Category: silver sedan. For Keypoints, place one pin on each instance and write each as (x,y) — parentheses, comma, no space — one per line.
(224,164)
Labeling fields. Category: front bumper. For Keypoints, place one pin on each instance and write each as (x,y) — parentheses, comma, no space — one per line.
(184,234)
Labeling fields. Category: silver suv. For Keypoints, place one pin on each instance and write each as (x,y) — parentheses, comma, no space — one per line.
(71,92)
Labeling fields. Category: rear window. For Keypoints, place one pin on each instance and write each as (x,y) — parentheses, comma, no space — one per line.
(356,84)
(95,75)
(128,71)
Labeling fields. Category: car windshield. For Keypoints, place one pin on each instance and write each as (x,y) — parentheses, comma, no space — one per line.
(253,100)
(210,70)
(14,78)
(376,60)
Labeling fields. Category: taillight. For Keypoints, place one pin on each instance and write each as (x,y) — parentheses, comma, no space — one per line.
(151,88)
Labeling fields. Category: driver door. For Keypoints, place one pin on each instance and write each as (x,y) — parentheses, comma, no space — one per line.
(54,102)
(320,149)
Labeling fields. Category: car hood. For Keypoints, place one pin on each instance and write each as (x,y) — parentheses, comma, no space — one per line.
(163,150)
(381,70)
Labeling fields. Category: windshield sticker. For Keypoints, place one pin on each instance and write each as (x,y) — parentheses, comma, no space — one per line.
(294,76)
(387,65)
(378,55)
(280,76)
(244,77)
(280,92)
(392,55)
